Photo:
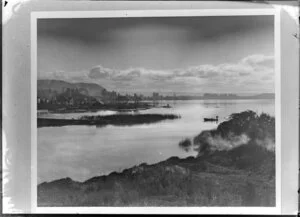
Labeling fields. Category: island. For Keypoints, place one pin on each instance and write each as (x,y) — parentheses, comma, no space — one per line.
(116,119)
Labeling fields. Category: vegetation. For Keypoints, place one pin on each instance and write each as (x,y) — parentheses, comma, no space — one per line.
(116,119)
(241,128)
(242,175)
(185,144)
(248,122)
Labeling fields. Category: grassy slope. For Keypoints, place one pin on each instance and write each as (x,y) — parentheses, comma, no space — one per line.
(222,178)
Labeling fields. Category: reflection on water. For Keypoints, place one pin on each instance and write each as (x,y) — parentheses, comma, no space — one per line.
(81,152)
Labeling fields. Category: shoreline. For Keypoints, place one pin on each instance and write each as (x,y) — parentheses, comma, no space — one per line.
(132,107)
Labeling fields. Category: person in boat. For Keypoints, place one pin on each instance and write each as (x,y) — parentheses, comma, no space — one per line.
(212,119)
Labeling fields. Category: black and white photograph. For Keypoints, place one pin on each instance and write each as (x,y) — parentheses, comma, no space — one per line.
(150,107)
(156,111)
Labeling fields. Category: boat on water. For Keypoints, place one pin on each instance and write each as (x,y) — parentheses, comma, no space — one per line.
(211,119)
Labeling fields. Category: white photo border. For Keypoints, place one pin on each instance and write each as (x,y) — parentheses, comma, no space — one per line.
(155,13)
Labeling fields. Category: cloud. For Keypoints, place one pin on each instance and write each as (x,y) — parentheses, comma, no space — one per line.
(127,75)
(267,77)
(249,66)
(99,72)
(258,60)
(203,71)
(72,76)
(244,73)
(254,73)
(56,75)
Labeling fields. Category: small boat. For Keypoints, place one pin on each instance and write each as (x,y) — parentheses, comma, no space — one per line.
(211,119)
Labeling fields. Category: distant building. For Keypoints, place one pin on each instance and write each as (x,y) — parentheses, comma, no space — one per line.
(71,102)
(155,96)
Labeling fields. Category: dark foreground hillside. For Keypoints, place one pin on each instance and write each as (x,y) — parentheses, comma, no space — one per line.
(243,175)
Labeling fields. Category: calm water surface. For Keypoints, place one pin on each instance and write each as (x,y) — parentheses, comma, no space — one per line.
(82,152)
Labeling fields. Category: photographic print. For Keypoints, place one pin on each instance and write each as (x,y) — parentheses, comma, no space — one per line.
(156,111)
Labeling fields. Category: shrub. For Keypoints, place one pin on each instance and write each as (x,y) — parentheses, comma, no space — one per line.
(185,144)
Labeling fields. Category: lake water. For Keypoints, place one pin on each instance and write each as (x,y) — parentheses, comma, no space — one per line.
(82,152)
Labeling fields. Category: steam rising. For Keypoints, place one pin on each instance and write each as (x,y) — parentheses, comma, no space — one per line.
(267,143)
(245,128)
(218,143)
(207,141)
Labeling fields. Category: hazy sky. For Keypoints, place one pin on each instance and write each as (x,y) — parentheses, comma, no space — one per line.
(181,55)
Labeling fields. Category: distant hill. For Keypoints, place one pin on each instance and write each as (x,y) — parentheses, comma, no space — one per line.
(91,89)
(263,96)
(235,96)
(55,85)
(50,88)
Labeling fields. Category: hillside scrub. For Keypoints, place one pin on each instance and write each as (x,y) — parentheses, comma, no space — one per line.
(220,179)
(185,144)
(240,129)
